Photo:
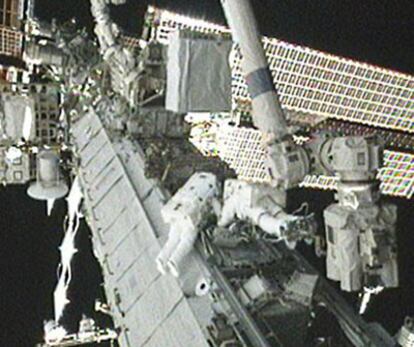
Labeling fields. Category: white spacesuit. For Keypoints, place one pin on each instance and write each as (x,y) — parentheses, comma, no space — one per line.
(260,204)
(184,212)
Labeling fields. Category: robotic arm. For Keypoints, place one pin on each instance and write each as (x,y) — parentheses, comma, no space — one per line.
(288,163)
(264,207)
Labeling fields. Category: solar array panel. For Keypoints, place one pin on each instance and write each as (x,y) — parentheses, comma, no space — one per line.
(320,182)
(165,22)
(325,85)
(242,149)
(10,42)
(312,82)
(398,174)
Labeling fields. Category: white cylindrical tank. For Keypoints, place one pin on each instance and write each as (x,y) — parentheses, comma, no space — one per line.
(48,185)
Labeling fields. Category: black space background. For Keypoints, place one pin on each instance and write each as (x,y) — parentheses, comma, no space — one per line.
(378,32)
